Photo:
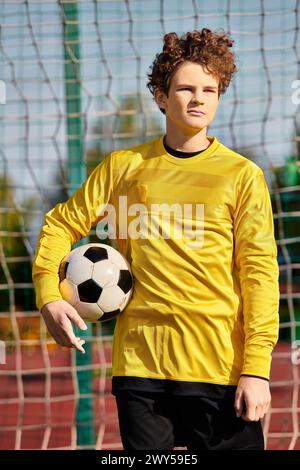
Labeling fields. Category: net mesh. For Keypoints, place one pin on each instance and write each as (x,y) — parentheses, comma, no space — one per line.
(116,43)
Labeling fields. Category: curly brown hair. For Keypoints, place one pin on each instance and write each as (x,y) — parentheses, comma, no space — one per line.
(207,48)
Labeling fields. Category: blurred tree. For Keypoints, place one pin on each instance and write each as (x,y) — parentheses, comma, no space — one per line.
(13,244)
(127,128)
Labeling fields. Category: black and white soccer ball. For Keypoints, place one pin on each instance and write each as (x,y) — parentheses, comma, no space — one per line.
(96,279)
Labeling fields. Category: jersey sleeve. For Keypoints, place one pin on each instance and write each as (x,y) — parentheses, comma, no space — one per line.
(255,255)
(65,225)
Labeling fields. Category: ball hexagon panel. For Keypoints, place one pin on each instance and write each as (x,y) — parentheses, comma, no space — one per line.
(96,253)
(105,273)
(111,299)
(89,291)
(80,269)
(69,291)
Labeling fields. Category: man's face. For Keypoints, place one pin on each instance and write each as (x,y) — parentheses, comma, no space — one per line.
(193,98)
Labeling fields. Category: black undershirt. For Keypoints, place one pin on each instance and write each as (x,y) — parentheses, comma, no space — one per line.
(179,153)
(173,387)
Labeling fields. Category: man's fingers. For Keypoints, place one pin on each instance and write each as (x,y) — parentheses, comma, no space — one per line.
(82,341)
(73,315)
(250,414)
(259,413)
(77,344)
(262,414)
(69,339)
(58,338)
(58,316)
(264,411)
(238,404)
(255,393)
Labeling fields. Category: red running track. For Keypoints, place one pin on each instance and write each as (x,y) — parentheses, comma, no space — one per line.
(34,415)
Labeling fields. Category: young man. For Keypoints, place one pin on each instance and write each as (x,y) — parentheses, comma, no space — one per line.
(192,351)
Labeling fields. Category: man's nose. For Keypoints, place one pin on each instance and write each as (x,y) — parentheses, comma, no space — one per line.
(198,98)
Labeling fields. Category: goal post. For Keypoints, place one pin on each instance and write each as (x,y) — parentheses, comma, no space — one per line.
(76,176)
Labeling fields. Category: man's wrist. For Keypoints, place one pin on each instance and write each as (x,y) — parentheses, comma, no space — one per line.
(256,376)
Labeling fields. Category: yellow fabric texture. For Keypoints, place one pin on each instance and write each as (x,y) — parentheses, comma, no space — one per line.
(204,313)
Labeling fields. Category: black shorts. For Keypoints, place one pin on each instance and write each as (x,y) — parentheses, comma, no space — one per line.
(157,421)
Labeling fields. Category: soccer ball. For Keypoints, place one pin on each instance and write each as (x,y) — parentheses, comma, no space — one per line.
(96,279)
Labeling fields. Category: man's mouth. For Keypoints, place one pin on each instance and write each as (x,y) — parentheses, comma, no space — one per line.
(196,112)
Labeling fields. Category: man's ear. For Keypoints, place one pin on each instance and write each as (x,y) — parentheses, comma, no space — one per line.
(160,98)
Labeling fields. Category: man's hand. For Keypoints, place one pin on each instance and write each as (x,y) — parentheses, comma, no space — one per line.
(255,393)
(58,316)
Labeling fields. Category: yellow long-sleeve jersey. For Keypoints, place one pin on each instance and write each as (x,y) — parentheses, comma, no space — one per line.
(206,295)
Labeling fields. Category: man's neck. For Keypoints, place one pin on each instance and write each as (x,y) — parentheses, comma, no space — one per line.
(178,140)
